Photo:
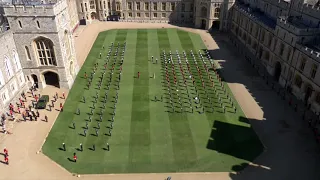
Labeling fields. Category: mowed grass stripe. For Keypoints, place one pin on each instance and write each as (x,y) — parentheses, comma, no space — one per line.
(182,141)
(117,159)
(61,131)
(161,141)
(139,155)
(90,140)
(201,127)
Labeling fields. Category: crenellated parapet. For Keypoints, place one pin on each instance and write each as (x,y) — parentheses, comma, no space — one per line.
(49,9)
(311,10)
(312,52)
(296,28)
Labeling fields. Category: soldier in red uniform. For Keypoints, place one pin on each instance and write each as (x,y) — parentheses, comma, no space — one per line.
(75,157)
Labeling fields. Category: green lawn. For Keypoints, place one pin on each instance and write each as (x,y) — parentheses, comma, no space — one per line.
(147,135)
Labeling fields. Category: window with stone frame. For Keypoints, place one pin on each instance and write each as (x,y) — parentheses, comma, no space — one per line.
(138,6)
(183,7)
(163,15)
(313,71)
(281,49)
(155,15)
(191,7)
(138,15)
(298,81)
(289,53)
(155,6)
(302,64)
(8,67)
(217,12)
(129,5)
(163,6)
(2,82)
(317,99)
(104,5)
(118,6)
(16,60)
(4,97)
(146,6)
(45,52)
(146,15)
(129,14)
(173,6)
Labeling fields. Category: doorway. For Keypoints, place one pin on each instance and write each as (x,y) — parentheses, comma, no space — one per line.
(203,24)
(277,71)
(35,80)
(51,78)
(215,25)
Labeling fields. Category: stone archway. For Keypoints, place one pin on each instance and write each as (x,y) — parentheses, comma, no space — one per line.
(51,78)
(277,71)
(203,24)
(93,15)
(35,80)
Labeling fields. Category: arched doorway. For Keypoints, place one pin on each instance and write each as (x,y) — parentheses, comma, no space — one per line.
(308,92)
(215,25)
(277,71)
(51,78)
(93,15)
(203,24)
(35,80)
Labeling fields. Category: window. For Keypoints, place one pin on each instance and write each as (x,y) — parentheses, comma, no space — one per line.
(8,67)
(138,5)
(22,80)
(155,15)
(85,6)
(191,7)
(20,24)
(281,49)
(298,81)
(269,40)
(1,79)
(289,53)
(318,98)
(163,15)
(155,6)
(38,24)
(183,7)
(146,14)
(130,14)
(13,87)
(81,7)
(16,60)
(109,5)
(217,12)
(182,16)
(26,49)
(204,12)
(45,51)
(146,6)
(118,6)
(302,64)
(129,5)
(191,16)
(313,71)
(173,6)
(138,15)
(100,3)
(163,6)
(4,97)
(104,4)
(92,5)
(262,36)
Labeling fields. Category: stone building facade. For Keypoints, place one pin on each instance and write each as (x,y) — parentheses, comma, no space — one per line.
(284,36)
(203,14)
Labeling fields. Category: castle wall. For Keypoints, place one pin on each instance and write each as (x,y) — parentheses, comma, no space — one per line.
(10,87)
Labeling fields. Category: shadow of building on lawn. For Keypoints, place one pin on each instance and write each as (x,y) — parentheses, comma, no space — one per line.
(235,140)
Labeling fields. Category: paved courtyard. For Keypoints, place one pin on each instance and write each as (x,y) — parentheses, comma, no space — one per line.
(291,152)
